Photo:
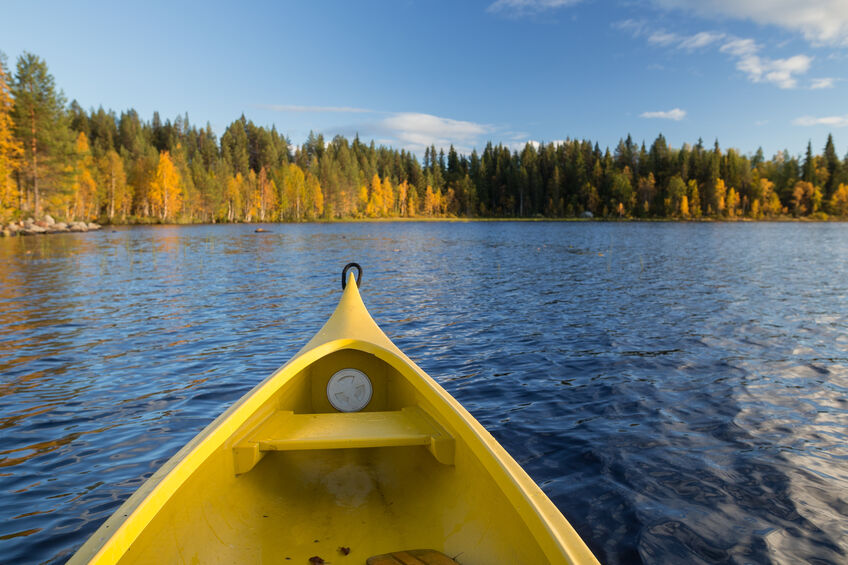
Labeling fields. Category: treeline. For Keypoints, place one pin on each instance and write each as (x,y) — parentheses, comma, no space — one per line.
(60,159)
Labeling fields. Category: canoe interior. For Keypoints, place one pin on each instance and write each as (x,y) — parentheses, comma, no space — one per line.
(293,505)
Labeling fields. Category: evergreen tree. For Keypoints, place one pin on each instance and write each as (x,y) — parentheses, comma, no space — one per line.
(41,126)
(234,147)
(808,171)
(834,167)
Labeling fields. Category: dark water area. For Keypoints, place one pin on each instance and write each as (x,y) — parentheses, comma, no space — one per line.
(680,391)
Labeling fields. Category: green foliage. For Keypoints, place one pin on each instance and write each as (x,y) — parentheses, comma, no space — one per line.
(94,163)
(42,127)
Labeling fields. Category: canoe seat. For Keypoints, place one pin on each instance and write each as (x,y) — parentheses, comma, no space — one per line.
(287,431)
(412,557)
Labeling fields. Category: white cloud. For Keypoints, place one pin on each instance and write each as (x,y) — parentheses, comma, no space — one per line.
(524,7)
(663,38)
(317,109)
(819,21)
(426,129)
(819,83)
(832,121)
(415,131)
(700,40)
(689,42)
(636,27)
(740,47)
(781,72)
(676,114)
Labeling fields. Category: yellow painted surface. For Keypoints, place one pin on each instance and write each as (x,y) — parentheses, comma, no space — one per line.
(282,476)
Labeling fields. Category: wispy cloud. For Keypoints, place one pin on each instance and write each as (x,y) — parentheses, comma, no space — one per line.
(784,73)
(415,131)
(819,83)
(663,38)
(675,114)
(527,7)
(688,42)
(700,40)
(831,121)
(819,21)
(317,109)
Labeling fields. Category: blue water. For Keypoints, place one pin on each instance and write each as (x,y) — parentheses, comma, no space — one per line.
(680,391)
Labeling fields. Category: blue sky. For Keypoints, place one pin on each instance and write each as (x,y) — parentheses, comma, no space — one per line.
(751,73)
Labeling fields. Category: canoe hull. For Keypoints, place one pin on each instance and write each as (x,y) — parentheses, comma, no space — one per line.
(249,489)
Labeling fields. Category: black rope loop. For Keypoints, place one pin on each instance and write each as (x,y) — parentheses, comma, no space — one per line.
(358,274)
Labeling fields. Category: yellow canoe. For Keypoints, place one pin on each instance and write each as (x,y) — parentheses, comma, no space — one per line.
(348,451)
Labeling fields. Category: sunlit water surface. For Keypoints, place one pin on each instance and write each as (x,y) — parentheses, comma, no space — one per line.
(680,391)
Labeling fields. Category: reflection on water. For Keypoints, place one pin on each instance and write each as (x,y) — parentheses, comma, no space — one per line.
(679,390)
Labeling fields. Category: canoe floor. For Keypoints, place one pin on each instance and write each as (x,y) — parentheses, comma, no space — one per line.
(296,505)
(293,505)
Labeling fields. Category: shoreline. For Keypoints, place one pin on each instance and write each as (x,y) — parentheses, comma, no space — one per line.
(49,226)
(44,226)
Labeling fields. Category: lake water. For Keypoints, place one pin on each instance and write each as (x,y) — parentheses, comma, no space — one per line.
(680,391)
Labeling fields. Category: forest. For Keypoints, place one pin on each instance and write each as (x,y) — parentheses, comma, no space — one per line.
(95,165)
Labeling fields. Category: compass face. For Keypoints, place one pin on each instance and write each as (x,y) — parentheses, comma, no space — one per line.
(349,390)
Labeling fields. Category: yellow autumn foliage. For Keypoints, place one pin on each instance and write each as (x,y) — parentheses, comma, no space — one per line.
(10,152)
(166,189)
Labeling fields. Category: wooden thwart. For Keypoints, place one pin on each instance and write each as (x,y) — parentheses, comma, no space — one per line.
(287,431)
(412,557)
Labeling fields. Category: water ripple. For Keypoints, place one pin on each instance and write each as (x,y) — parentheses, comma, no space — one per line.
(680,391)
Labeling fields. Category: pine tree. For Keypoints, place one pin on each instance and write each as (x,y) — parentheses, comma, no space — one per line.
(41,125)
(834,167)
(234,147)
(808,170)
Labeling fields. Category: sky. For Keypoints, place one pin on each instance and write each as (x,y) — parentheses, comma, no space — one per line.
(408,73)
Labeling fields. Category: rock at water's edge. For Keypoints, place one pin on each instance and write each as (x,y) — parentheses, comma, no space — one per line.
(47,225)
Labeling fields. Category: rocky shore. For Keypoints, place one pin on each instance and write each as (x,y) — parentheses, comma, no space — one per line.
(45,226)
